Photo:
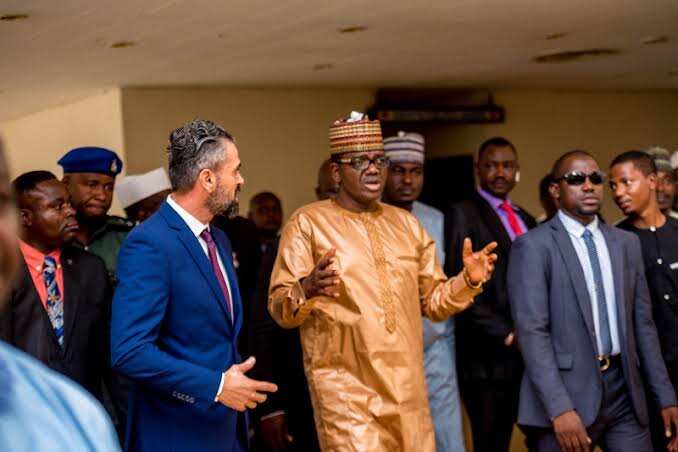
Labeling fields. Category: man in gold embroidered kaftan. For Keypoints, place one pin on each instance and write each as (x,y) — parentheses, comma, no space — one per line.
(356,275)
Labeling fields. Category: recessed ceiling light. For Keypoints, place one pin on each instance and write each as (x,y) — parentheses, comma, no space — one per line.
(123,44)
(353,29)
(574,55)
(322,66)
(660,39)
(554,36)
(13,17)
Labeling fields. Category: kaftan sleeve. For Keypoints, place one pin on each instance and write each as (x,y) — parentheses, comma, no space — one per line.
(287,303)
(440,297)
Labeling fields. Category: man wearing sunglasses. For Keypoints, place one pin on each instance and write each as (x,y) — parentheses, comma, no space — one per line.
(356,275)
(489,364)
(584,324)
(633,181)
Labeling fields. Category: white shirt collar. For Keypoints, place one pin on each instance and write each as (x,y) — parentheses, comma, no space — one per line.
(196,226)
(576,228)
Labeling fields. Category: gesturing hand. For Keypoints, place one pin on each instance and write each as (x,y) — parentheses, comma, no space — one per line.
(670,418)
(240,392)
(479,265)
(323,280)
(571,433)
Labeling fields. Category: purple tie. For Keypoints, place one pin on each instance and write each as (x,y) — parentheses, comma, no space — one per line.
(212,252)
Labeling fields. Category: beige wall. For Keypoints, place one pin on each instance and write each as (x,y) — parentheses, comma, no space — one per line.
(38,140)
(544,124)
(281,133)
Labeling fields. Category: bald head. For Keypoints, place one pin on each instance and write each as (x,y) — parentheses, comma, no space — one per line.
(327,187)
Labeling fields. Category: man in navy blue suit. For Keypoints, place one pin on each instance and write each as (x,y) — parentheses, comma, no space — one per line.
(584,325)
(177,309)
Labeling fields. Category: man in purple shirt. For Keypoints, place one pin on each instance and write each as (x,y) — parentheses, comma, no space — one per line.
(488,362)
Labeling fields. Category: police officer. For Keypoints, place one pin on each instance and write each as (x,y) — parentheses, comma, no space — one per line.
(89,175)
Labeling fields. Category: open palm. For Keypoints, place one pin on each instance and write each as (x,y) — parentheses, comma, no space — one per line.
(480,264)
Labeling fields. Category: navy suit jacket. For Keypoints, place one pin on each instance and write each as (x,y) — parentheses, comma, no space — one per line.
(555,331)
(172,335)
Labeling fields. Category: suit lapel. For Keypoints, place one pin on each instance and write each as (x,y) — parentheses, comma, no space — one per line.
(34,297)
(193,247)
(616,250)
(574,270)
(72,289)
(493,223)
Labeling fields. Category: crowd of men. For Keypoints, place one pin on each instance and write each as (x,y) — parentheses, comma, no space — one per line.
(198,329)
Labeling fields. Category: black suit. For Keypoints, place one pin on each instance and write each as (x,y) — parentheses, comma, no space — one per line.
(280,360)
(489,371)
(87,303)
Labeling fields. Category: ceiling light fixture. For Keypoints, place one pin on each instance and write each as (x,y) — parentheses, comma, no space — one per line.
(353,29)
(554,36)
(648,40)
(574,55)
(322,66)
(123,44)
(13,17)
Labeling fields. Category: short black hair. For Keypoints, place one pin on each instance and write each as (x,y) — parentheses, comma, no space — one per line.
(498,142)
(29,181)
(642,161)
(556,171)
(544,184)
(261,196)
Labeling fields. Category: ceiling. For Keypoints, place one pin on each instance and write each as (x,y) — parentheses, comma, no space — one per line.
(63,52)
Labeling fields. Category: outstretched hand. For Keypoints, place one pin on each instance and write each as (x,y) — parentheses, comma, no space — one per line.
(240,392)
(323,281)
(479,265)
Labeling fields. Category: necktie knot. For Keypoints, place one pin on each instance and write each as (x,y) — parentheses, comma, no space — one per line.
(49,264)
(587,234)
(207,236)
(506,206)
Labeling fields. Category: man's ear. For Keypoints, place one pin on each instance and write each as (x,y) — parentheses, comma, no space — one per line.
(207,180)
(554,190)
(336,176)
(652,181)
(25,217)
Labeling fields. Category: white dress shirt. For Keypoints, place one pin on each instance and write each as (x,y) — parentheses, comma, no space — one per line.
(576,230)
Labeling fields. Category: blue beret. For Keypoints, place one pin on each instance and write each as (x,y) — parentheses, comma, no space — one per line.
(91,160)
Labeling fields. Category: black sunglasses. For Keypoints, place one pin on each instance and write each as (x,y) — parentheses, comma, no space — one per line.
(579,177)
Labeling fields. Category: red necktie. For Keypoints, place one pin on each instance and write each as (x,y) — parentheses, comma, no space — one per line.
(512,218)
(212,252)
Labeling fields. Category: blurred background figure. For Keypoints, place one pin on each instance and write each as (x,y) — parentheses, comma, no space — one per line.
(40,409)
(548,202)
(141,195)
(404,184)
(665,183)
(266,213)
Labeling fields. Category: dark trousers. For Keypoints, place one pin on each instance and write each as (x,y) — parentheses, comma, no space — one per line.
(616,428)
(659,441)
(492,407)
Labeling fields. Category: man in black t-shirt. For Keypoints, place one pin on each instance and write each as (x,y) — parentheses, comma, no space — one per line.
(633,180)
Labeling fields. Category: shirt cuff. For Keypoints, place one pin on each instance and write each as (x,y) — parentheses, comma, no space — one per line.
(221,386)
(273,414)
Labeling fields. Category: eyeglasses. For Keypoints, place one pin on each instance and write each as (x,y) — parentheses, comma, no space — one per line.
(362,163)
(579,177)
